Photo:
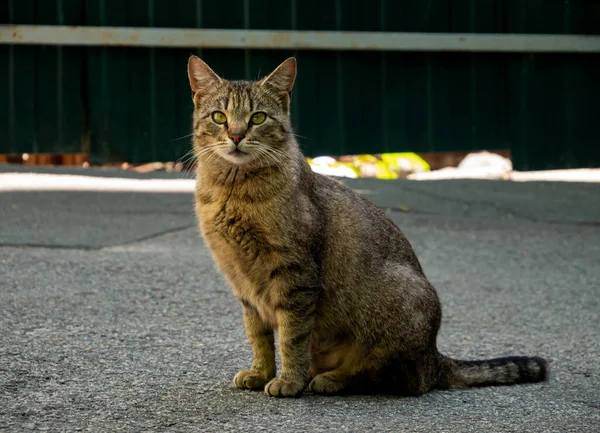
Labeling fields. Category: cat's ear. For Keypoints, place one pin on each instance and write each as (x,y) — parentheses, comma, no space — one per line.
(282,78)
(202,78)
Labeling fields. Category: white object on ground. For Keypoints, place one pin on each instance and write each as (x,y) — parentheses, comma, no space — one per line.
(478,165)
(493,162)
(486,165)
(329,166)
(576,175)
(63,182)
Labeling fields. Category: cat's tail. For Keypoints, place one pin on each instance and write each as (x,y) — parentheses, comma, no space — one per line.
(510,370)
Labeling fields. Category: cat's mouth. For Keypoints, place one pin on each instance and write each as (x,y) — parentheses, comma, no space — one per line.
(237,156)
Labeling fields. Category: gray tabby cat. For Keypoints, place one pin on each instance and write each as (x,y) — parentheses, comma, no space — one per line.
(313,260)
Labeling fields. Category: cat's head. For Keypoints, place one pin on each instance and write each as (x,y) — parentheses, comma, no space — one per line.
(241,122)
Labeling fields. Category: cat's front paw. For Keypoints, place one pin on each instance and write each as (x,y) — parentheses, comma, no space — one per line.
(248,379)
(279,387)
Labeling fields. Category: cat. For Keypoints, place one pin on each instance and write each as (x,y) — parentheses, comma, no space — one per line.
(315,261)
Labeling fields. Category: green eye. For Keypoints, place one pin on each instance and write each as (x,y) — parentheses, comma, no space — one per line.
(258,118)
(219,117)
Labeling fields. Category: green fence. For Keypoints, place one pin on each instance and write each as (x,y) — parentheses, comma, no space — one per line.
(133,103)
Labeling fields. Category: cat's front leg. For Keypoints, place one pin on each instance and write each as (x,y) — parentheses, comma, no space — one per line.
(295,321)
(262,341)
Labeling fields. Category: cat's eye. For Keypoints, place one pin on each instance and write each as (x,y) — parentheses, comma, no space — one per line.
(258,118)
(219,117)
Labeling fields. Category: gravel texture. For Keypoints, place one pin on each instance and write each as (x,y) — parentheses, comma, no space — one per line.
(133,329)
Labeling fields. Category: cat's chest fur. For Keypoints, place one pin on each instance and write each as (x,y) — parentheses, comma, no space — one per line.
(240,233)
(260,230)
(250,243)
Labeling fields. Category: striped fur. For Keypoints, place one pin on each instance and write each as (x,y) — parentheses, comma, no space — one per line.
(314,261)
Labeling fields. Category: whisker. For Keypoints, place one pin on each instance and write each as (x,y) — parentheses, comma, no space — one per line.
(257,149)
(212,155)
(273,157)
(188,174)
(181,138)
(277,160)
(191,157)
(210,150)
(188,161)
(297,135)
(189,152)
(273,151)
(187,167)
(260,157)
(278,151)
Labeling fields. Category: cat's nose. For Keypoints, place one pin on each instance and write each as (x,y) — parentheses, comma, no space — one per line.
(236,136)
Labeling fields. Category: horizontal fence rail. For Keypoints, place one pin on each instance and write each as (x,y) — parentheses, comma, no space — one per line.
(295,40)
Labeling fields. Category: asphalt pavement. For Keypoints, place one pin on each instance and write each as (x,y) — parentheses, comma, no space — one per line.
(114,318)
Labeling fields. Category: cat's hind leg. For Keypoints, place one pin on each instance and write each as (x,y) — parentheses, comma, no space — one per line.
(395,375)
(336,369)
(331,382)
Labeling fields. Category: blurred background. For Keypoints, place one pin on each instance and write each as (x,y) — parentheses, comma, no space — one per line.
(459,83)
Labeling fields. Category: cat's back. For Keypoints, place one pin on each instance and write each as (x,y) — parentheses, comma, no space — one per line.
(358,232)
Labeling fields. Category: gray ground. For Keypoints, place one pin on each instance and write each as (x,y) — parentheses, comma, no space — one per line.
(113,318)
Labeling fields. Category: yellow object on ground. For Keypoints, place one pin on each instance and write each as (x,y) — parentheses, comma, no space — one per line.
(405,161)
(366,165)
